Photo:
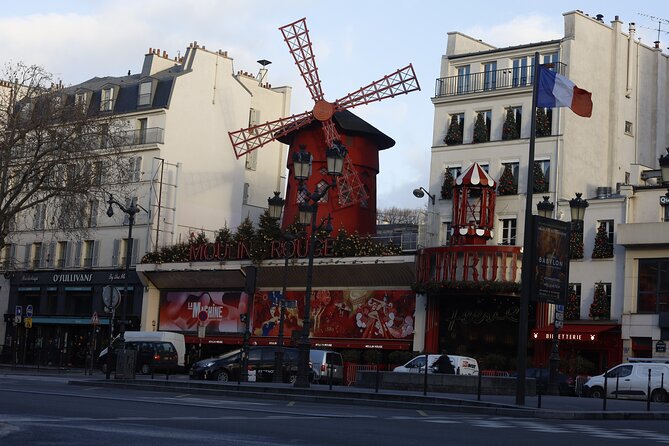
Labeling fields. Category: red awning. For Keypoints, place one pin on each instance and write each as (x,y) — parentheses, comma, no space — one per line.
(575,332)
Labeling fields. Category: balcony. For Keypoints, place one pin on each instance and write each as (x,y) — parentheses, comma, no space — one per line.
(153,135)
(506,78)
(470,263)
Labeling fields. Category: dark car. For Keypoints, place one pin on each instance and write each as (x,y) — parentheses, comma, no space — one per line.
(566,384)
(261,361)
(151,356)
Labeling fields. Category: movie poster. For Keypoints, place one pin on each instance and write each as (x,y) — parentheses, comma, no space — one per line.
(357,314)
(179,311)
(551,261)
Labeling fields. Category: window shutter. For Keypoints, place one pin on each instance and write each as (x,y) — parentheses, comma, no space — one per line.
(77,254)
(94,213)
(135,251)
(42,255)
(26,259)
(96,252)
(67,260)
(115,252)
(51,258)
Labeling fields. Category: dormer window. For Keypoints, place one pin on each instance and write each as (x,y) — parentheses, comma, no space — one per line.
(107,99)
(145,90)
(81,100)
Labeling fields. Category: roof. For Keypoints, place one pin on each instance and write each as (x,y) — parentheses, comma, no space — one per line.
(350,124)
(474,175)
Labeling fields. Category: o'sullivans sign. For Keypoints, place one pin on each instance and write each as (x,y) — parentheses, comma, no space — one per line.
(216,252)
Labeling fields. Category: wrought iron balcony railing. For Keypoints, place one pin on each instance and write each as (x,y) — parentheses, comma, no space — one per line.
(153,135)
(505,78)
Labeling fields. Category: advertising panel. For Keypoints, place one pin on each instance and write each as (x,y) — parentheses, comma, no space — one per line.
(180,311)
(353,314)
(550,262)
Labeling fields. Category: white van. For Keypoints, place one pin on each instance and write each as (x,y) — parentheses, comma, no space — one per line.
(630,380)
(324,362)
(177,339)
(463,365)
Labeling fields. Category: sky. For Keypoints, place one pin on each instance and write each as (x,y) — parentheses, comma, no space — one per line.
(355,43)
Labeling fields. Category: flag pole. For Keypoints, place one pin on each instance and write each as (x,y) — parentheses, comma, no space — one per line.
(528,248)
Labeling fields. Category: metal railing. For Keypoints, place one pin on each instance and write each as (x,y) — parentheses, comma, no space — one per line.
(518,77)
(153,135)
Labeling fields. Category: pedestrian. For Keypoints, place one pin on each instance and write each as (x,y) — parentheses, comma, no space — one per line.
(444,365)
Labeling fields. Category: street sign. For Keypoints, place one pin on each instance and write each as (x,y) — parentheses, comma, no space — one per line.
(95,320)
(203,316)
(201,331)
(28,322)
(18,311)
(111,297)
(29,311)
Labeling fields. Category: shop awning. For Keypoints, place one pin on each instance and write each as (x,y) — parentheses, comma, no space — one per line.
(576,332)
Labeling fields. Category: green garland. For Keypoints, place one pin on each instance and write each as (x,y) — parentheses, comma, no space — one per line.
(484,286)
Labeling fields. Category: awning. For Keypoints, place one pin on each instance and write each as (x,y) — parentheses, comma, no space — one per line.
(576,332)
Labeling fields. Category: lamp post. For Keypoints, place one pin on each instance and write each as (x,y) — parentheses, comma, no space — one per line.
(545,209)
(664,166)
(308,212)
(130,211)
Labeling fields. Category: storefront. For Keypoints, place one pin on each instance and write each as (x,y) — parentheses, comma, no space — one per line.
(62,330)
(584,348)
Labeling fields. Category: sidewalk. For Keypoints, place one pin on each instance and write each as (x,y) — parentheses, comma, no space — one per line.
(555,407)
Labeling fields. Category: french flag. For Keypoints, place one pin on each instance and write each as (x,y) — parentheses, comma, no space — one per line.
(555,90)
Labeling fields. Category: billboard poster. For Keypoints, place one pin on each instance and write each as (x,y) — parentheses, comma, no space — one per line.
(550,260)
(354,314)
(179,311)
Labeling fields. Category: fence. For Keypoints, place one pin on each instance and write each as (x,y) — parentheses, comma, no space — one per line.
(579,382)
(352,369)
(494,373)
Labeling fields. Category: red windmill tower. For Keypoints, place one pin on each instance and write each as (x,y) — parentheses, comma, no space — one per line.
(352,204)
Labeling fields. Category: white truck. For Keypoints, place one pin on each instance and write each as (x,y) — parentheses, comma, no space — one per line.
(176,339)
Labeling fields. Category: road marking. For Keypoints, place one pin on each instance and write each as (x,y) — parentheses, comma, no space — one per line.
(183,395)
(291,403)
(421,413)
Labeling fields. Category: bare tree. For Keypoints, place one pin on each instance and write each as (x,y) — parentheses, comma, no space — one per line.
(394,215)
(56,155)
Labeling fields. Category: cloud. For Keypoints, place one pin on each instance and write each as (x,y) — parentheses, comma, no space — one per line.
(525,29)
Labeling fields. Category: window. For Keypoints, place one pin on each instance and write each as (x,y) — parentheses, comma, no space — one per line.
(455,171)
(482,126)
(37,255)
(463,79)
(446,232)
(628,128)
(129,202)
(135,168)
(62,254)
(653,291)
(485,166)
(572,311)
(107,100)
(490,76)
(97,173)
(608,227)
(245,193)
(144,96)
(520,72)
(78,301)
(121,250)
(550,58)
(142,128)
(81,100)
(508,180)
(90,253)
(544,121)
(40,216)
(508,233)
(7,255)
(518,116)
(455,129)
(542,175)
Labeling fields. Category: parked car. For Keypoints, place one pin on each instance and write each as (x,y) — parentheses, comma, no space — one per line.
(630,380)
(261,361)
(463,365)
(151,356)
(326,363)
(566,383)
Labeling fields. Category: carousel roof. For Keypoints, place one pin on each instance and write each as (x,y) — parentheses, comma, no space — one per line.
(474,175)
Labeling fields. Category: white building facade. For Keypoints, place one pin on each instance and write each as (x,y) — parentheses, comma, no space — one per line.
(605,157)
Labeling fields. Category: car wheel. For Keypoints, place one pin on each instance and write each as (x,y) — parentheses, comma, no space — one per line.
(597,392)
(659,396)
(145,369)
(223,376)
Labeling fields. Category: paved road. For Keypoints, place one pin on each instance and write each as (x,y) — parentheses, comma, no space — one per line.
(44,409)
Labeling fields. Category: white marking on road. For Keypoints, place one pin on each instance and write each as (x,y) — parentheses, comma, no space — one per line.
(421,413)
(291,403)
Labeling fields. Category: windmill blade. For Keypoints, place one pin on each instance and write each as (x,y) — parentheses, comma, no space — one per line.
(245,140)
(402,81)
(296,36)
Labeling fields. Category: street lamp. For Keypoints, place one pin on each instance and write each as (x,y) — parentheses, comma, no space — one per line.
(545,207)
(420,193)
(664,166)
(308,212)
(130,211)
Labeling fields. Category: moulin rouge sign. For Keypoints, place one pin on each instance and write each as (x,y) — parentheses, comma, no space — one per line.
(213,252)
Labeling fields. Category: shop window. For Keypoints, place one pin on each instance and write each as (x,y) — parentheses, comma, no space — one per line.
(78,301)
(51,302)
(653,289)
(29,296)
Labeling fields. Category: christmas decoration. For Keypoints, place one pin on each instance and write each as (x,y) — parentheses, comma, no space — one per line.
(576,244)
(600,307)
(480,129)
(572,311)
(507,183)
(540,184)
(483,286)
(603,249)
(543,125)
(454,133)
(510,129)
(447,185)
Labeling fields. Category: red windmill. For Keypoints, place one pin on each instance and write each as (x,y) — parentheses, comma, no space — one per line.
(321,128)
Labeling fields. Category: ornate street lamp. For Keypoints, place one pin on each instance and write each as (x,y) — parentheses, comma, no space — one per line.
(130,211)
(308,212)
(545,207)
(664,166)
(420,193)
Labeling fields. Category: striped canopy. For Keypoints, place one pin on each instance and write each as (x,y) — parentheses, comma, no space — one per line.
(474,175)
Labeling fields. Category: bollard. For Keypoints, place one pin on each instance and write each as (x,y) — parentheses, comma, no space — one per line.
(478,389)
(539,387)
(425,376)
(378,376)
(648,399)
(606,381)
(617,382)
